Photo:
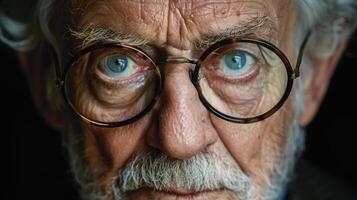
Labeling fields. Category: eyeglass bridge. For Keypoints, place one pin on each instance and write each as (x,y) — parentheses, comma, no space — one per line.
(177,60)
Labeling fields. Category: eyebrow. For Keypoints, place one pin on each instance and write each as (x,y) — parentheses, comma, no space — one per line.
(261,26)
(93,35)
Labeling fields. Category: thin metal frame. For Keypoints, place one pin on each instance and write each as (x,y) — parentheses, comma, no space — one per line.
(194,76)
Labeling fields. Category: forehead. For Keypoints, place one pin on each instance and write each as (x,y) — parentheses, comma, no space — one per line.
(176,22)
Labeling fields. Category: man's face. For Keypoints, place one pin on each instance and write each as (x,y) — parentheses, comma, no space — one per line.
(179,150)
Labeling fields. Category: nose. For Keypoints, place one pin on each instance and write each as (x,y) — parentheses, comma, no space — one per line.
(183,128)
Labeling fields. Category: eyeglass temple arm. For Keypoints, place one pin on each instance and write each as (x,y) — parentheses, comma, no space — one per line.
(296,73)
(57,64)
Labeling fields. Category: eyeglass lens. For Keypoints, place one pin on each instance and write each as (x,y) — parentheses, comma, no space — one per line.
(113,84)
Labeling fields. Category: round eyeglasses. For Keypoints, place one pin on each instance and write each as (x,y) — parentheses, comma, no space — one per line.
(241,80)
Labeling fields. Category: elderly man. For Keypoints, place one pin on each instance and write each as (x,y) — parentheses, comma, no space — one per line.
(163,99)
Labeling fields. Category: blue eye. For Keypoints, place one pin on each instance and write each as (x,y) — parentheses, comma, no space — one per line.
(117,66)
(117,63)
(237,62)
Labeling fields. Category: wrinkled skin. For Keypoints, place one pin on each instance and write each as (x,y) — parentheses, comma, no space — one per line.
(179,125)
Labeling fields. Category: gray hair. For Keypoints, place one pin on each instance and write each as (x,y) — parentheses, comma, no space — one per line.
(23,33)
(329,19)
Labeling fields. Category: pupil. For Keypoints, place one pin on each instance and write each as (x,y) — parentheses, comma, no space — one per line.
(119,64)
(238,61)
(235,60)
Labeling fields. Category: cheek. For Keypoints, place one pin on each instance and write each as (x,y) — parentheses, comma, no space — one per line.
(108,149)
(256,147)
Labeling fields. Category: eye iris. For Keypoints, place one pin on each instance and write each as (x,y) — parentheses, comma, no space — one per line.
(235,60)
(117,64)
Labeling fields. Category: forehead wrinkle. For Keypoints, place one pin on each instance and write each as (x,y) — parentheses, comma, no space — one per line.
(225,19)
(203,8)
(82,6)
(263,27)
(142,18)
(250,22)
(108,20)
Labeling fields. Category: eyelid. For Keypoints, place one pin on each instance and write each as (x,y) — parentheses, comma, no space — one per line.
(218,75)
(247,52)
(220,54)
(101,54)
(248,47)
(133,76)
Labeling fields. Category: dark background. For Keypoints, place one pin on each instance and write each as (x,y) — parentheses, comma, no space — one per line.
(35,167)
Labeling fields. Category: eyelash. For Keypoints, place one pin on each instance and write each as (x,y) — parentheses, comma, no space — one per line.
(224,78)
(93,70)
(213,71)
(117,84)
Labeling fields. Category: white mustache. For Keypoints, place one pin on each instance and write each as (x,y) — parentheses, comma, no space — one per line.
(205,171)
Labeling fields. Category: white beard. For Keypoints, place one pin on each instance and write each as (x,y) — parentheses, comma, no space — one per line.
(205,171)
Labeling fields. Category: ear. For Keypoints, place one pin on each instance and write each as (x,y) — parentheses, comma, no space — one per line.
(35,68)
(316,80)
